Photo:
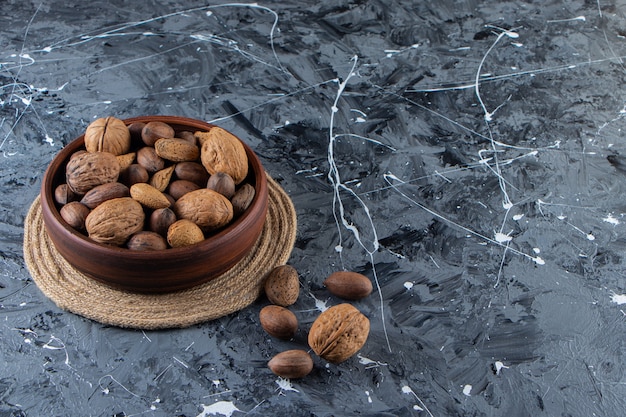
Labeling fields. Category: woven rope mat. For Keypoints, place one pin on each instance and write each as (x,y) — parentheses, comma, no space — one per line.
(230,292)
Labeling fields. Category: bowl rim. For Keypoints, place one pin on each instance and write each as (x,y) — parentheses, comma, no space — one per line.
(62,157)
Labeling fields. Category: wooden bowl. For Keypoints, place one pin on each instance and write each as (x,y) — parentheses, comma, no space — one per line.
(163,270)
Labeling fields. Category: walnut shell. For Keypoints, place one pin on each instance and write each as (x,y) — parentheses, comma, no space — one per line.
(338,333)
(184,233)
(349,285)
(87,170)
(223,152)
(291,364)
(282,285)
(208,209)
(107,135)
(115,220)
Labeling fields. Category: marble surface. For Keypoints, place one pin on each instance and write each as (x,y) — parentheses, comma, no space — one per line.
(467,156)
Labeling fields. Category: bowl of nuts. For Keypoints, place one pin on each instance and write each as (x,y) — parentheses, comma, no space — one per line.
(154,204)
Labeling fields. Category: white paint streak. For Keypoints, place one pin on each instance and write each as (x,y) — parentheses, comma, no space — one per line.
(285,385)
(223,408)
(611,219)
(619,298)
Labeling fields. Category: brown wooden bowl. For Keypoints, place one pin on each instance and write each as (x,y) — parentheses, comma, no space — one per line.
(155,271)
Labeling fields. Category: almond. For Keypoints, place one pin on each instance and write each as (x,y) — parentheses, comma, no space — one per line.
(161,179)
(282,285)
(148,196)
(176,150)
(126,160)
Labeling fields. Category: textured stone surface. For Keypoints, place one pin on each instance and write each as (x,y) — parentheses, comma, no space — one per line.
(491,214)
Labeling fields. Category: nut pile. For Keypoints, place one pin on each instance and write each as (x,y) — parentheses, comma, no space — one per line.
(146,186)
(336,334)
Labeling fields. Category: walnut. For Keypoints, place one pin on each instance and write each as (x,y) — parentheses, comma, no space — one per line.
(207,208)
(107,135)
(223,152)
(338,333)
(87,170)
(115,220)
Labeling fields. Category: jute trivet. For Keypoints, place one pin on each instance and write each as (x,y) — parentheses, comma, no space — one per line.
(230,292)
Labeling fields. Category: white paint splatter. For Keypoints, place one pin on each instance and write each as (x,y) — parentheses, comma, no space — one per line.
(370,363)
(611,219)
(369,399)
(590,236)
(537,250)
(499,366)
(619,298)
(408,285)
(408,390)
(285,385)
(224,408)
(319,304)
(518,217)
(467,390)
(502,238)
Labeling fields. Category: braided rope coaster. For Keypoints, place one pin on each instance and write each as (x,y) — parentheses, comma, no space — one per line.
(230,292)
